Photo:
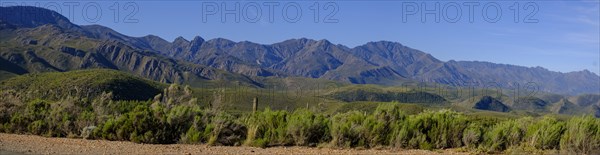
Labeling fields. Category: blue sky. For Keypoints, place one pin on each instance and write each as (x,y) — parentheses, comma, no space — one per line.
(559,35)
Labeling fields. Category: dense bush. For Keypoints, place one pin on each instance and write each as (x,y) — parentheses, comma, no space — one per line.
(473,135)
(358,129)
(174,116)
(197,132)
(545,134)
(35,110)
(382,123)
(582,135)
(226,130)
(267,128)
(506,134)
(428,130)
(307,128)
(138,126)
(347,129)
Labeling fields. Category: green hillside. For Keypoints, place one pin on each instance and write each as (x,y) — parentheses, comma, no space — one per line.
(83,83)
(374,93)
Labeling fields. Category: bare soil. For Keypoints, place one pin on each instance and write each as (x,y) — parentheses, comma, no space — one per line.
(30,144)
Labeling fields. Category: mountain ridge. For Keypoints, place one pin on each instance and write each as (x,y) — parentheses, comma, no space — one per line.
(381,62)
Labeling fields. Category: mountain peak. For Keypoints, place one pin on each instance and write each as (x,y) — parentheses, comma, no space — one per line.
(323,42)
(300,41)
(303,39)
(197,39)
(584,72)
(151,36)
(196,43)
(180,39)
(382,43)
(385,42)
(222,41)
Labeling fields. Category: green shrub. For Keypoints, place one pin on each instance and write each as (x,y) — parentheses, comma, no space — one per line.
(18,123)
(10,103)
(399,137)
(198,131)
(192,136)
(63,115)
(267,128)
(582,135)
(473,135)
(356,129)
(428,130)
(381,125)
(37,127)
(179,118)
(347,129)
(138,126)
(86,119)
(226,130)
(447,129)
(545,134)
(36,110)
(60,124)
(308,128)
(375,131)
(87,132)
(107,130)
(506,134)
(141,125)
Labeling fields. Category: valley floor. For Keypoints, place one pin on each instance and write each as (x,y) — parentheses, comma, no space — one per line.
(30,144)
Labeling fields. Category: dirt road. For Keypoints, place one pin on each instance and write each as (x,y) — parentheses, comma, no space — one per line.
(29,144)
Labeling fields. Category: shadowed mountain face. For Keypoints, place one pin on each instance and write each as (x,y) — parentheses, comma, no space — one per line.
(31,17)
(492,104)
(49,42)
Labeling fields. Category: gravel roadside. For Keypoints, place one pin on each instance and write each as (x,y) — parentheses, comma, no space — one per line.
(30,144)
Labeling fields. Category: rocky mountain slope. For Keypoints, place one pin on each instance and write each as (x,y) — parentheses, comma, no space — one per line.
(49,42)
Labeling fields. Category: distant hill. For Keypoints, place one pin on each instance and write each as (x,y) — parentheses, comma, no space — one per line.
(491,104)
(83,83)
(531,104)
(49,42)
(351,94)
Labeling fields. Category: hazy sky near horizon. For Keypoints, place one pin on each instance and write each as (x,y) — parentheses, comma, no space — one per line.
(559,35)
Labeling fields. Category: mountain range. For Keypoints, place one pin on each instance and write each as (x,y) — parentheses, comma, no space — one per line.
(39,40)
